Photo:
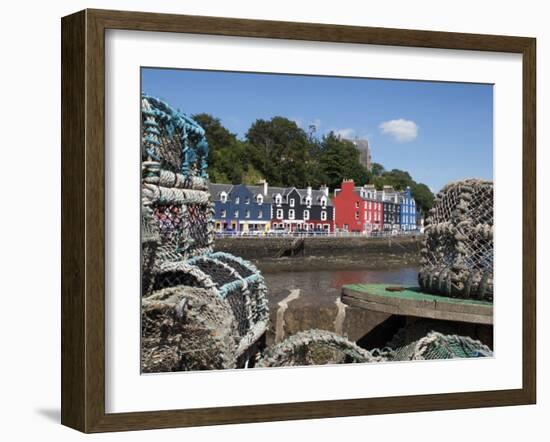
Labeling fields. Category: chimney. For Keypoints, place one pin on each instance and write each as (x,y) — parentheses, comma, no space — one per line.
(264,183)
(347,185)
(308,190)
(324,189)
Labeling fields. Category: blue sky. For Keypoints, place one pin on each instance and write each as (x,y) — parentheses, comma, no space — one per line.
(439,132)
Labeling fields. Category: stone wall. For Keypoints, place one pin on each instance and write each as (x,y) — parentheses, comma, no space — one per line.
(259,248)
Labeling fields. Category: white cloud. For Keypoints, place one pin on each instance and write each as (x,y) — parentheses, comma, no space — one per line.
(346,133)
(401,130)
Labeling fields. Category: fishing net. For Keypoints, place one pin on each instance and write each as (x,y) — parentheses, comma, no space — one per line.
(436,345)
(429,340)
(320,347)
(315,347)
(187,328)
(178,231)
(457,258)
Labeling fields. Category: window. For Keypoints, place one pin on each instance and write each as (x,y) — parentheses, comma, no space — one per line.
(236,214)
(306,214)
(223,197)
(247,200)
(308,201)
(291,202)
(291,214)
(260,214)
(237,200)
(260,199)
(223,213)
(323,202)
(323,216)
(357,204)
(279,213)
(356,215)
(247,214)
(278,199)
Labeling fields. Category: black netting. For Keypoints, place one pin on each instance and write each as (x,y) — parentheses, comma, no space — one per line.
(220,275)
(172,279)
(237,302)
(198,218)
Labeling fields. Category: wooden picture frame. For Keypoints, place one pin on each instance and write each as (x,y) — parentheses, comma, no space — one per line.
(83,219)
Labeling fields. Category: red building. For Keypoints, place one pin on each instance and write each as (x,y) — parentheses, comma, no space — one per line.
(357,209)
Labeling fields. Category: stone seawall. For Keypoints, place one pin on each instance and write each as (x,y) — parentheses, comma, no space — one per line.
(325,252)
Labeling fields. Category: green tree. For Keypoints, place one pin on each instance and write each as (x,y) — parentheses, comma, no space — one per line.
(285,155)
(339,160)
(400,180)
(377,169)
(423,196)
(280,151)
(227,155)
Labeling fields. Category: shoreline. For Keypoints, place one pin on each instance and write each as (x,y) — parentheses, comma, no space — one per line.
(327,263)
(322,253)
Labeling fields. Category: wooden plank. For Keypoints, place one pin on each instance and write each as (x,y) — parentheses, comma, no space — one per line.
(413,302)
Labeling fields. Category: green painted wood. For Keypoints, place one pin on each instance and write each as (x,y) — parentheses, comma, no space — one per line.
(413,302)
(413,293)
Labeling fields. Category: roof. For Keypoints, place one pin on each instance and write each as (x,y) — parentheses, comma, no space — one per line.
(216,188)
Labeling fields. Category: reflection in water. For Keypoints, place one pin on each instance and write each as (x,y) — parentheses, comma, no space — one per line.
(321,284)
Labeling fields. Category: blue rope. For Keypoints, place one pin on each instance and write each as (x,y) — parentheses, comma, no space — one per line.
(175,121)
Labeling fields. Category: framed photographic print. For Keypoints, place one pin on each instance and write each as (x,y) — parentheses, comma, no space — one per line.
(269,220)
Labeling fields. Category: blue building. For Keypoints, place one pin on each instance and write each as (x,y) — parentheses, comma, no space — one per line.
(240,208)
(408,210)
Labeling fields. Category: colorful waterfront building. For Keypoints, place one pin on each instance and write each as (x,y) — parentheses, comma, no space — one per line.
(301,210)
(240,208)
(374,209)
(408,210)
(391,208)
(349,210)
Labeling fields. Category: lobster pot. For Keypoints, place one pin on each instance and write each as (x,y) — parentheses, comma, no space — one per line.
(187,328)
(235,282)
(457,257)
(173,139)
(177,246)
(439,346)
(315,347)
(150,241)
(176,226)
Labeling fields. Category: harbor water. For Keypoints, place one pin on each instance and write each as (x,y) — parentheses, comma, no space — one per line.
(301,300)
